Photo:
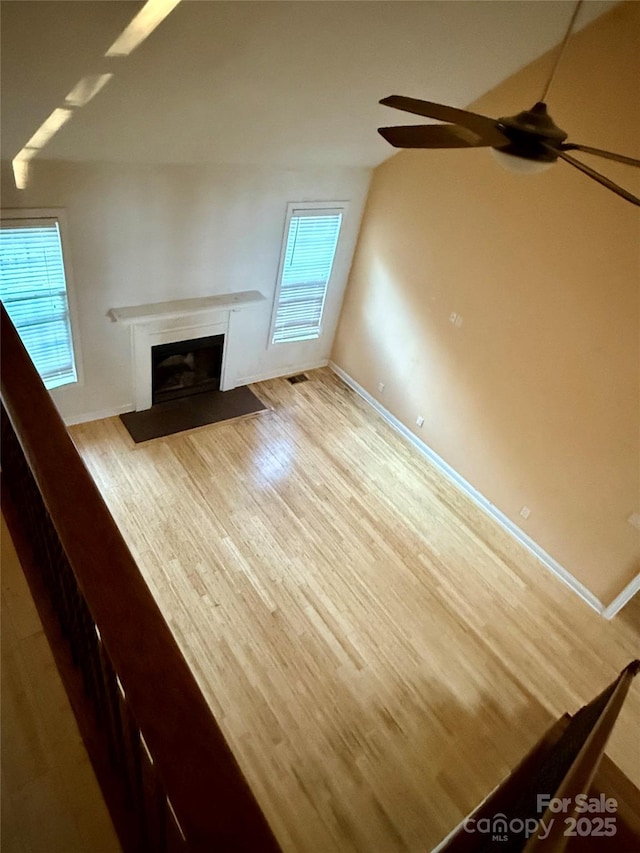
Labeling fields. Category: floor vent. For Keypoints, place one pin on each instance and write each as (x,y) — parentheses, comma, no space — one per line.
(299,377)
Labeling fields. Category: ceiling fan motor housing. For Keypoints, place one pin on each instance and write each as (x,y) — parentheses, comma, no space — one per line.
(532,134)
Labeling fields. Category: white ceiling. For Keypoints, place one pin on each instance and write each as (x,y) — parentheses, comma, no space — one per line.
(269,83)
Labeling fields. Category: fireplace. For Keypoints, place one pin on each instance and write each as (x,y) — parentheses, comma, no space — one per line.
(158,323)
(183,368)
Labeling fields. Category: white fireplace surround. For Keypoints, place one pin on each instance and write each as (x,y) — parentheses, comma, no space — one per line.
(170,322)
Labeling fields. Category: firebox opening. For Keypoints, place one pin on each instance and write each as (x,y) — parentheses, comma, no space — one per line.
(185,368)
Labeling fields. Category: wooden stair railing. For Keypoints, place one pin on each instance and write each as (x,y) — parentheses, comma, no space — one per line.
(534,809)
(175,784)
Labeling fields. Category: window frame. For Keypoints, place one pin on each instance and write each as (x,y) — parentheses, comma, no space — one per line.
(306,208)
(58,215)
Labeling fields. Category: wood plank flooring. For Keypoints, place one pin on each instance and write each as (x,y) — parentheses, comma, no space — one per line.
(377,651)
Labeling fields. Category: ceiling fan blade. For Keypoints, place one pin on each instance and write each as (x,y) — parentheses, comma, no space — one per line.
(432,136)
(619,158)
(597,176)
(485,127)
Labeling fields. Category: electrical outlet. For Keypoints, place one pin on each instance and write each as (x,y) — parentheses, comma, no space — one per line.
(634,519)
(453,317)
(381,387)
(525,512)
(419,421)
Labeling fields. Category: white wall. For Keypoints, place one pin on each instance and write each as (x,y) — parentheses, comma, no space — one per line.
(150,234)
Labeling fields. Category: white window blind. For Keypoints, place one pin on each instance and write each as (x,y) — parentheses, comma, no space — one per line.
(34,292)
(312,238)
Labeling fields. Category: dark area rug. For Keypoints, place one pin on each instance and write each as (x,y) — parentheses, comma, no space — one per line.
(190,412)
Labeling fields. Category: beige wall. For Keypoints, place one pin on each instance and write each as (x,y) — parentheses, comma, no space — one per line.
(535,398)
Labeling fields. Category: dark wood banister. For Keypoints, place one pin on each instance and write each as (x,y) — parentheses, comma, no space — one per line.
(214,805)
(561,765)
(580,775)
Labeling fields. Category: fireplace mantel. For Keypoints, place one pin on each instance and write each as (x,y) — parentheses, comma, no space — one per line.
(152,311)
(183,319)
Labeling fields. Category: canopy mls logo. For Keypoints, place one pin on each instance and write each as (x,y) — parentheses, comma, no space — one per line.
(599,823)
(500,826)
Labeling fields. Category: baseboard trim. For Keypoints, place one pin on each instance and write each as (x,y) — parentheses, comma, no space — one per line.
(623,598)
(281,371)
(72,420)
(546,559)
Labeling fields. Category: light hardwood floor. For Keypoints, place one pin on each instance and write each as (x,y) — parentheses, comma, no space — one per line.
(51,802)
(377,651)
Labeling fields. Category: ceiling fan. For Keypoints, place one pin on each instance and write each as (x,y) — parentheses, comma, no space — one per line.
(528,142)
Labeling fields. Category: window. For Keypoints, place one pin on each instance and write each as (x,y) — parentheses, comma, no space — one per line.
(33,288)
(311,238)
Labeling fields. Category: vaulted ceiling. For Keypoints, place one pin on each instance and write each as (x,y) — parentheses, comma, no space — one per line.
(270,83)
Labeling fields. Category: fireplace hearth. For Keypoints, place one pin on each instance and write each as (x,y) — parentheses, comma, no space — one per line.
(184,368)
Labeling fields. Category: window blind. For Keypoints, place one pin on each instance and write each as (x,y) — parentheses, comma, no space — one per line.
(33,290)
(308,258)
